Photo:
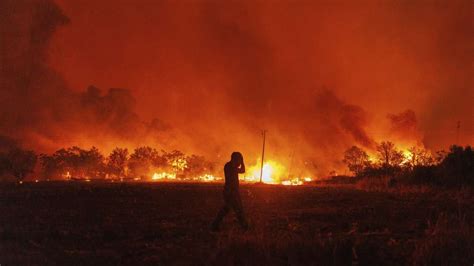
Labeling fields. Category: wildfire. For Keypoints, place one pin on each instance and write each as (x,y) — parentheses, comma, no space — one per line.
(67,175)
(292,182)
(207,178)
(179,164)
(163,176)
(273,173)
(406,155)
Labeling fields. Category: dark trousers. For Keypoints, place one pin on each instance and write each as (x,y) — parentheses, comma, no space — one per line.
(232,201)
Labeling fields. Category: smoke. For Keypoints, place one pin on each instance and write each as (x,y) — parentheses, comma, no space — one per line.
(348,120)
(207,76)
(38,108)
(28,84)
(404,126)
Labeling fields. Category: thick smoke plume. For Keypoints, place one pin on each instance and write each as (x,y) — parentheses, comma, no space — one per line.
(39,110)
(207,76)
(404,126)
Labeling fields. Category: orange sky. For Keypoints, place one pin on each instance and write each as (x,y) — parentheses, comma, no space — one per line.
(217,72)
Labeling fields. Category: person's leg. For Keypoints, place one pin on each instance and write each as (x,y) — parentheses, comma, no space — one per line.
(239,212)
(220,216)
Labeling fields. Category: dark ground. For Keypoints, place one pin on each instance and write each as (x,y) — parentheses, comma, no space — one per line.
(77,223)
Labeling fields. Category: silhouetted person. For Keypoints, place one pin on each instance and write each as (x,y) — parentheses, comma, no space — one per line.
(232,199)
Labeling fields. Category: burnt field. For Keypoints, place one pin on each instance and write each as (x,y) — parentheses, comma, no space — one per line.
(159,223)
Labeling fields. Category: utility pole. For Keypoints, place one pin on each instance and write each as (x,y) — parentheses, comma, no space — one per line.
(292,156)
(458,128)
(263,155)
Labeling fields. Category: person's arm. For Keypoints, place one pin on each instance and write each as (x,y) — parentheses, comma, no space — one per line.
(242,167)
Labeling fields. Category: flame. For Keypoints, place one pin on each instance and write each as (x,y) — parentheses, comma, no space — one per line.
(67,175)
(179,164)
(407,155)
(293,182)
(271,174)
(405,151)
(207,178)
(274,173)
(163,175)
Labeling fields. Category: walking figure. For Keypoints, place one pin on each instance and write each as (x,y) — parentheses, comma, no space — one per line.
(232,199)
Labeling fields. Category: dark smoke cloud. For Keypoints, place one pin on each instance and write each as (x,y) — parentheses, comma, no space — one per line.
(38,108)
(113,111)
(348,118)
(28,84)
(404,126)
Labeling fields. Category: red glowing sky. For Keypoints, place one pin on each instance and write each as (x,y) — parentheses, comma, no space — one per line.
(384,56)
(218,72)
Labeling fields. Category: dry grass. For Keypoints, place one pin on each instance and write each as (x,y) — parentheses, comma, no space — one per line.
(447,241)
(146,224)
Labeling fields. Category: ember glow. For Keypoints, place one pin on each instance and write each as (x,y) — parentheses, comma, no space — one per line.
(163,176)
(272,173)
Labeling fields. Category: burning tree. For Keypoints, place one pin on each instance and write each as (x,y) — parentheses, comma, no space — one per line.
(143,159)
(117,162)
(176,159)
(388,155)
(356,159)
(198,166)
(73,161)
(419,157)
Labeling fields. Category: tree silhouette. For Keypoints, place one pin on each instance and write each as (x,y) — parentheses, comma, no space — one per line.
(419,157)
(117,162)
(388,155)
(458,165)
(91,163)
(79,163)
(142,159)
(198,165)
(54,165)
(20,162)
(176,159)
(356,159)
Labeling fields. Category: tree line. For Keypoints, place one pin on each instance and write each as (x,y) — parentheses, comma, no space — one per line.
(77,163)
(415,166)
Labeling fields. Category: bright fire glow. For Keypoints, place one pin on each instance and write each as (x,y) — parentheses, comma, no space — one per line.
(207,177)
(272,173)
(179,164)
(163,175)
(293,182)
(406,156)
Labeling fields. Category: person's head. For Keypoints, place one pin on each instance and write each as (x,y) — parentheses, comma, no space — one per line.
(236,158)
